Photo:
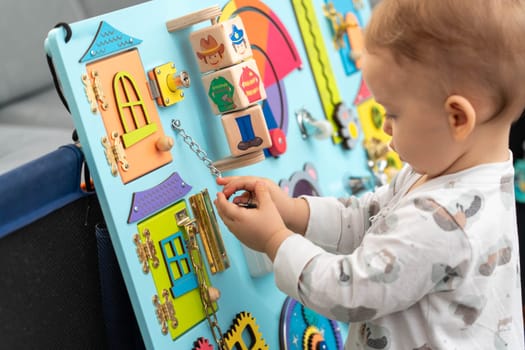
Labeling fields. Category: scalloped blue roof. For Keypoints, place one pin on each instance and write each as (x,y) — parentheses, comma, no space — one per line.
(107,41)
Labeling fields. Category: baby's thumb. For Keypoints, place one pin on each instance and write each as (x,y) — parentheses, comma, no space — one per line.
(261,192)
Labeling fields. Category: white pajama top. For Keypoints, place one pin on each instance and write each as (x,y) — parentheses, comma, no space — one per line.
(434,268)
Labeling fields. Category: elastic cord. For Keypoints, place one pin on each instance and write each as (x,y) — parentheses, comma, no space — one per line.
(67,28)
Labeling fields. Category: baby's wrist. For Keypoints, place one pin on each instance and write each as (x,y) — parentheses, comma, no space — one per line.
(296,216)
(275,241)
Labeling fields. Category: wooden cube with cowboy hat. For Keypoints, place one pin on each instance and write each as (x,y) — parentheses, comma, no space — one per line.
(221,45)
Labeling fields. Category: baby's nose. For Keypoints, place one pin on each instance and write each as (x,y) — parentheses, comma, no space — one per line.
(387,126)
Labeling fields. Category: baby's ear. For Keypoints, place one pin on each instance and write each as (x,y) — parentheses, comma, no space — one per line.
(461,116)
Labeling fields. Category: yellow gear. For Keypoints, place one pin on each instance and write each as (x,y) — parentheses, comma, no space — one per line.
(244,321)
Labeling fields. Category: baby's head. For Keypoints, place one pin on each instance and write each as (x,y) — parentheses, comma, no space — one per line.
(471,44)
(450,74)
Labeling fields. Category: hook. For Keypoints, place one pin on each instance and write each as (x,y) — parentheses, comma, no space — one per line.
(309,126)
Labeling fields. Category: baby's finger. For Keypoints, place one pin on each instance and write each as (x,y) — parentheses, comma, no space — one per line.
(261,193)
(245,197)
(238,184)
(222,205)
(225,180)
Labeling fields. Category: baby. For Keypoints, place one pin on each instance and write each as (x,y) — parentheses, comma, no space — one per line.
(431,260)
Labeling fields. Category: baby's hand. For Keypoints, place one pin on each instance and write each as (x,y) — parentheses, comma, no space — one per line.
(260,228)
(233,184)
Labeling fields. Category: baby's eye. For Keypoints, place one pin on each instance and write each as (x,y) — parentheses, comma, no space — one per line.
(390,116)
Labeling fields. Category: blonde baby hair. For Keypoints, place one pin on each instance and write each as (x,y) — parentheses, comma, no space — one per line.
(468,41)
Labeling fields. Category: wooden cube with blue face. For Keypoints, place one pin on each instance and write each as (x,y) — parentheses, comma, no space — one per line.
(246,131)
(221,45)
(235,87)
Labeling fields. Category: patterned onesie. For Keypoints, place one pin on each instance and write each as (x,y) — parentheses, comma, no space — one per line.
(434,268)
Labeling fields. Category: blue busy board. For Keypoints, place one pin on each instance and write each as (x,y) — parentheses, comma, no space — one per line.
(168,95)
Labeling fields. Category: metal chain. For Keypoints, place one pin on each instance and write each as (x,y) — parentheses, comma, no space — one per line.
(211,315)
(194,146)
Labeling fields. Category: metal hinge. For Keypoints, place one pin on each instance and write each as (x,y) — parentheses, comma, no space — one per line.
(94,92)
(115,153)
(146,251)
(165,312)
